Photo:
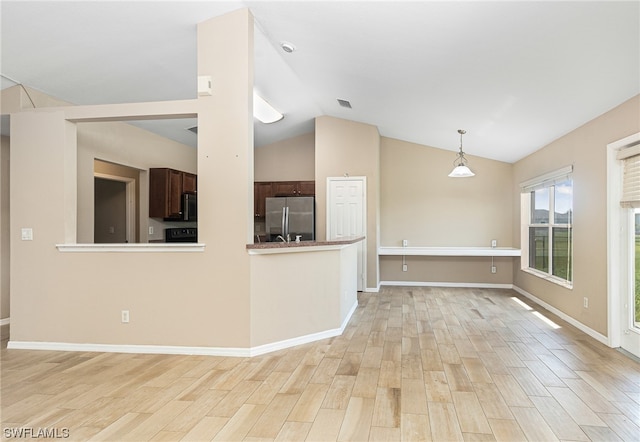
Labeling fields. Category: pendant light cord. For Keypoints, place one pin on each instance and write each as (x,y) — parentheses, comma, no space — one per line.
(18,83)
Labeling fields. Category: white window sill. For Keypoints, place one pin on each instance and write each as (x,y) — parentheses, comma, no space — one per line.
(553,279)
(131,248)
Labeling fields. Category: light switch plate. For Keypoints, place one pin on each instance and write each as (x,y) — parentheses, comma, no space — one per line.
(27,234)
(204,86)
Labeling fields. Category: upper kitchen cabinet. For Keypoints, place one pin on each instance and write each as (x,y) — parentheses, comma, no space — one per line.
(189,182)
(306,188)
(261,191)
(294,188)
(166,187)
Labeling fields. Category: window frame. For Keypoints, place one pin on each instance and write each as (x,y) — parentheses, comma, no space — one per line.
(528,188)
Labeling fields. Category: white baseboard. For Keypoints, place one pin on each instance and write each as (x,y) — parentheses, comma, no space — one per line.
(281,345)
(5,321)
(480,285)
(183,350)
(577,324)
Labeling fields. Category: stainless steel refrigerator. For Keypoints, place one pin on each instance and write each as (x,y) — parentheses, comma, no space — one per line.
(290,216)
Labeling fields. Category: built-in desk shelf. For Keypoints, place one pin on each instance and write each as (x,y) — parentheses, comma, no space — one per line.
(448,251)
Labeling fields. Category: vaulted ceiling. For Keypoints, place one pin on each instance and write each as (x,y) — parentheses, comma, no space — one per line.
(515,75)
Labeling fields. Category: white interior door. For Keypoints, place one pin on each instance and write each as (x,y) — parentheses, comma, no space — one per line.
(346,215)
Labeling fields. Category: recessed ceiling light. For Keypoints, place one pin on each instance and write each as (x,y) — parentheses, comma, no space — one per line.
(287,47)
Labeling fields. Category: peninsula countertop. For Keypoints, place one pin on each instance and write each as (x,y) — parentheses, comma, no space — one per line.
(302,246)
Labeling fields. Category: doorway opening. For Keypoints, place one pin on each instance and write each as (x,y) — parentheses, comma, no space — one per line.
(110,206)
(115,203)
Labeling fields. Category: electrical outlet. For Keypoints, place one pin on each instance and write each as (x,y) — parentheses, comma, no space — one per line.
(494,269)
(585,302)
(150,230)
(404,267)
(125,316)
(405,243)
(494,243)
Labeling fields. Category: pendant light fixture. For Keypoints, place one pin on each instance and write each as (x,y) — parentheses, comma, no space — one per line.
(461,170)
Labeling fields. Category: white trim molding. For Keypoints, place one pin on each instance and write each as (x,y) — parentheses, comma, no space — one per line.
(577,324)
(130,248)
(185,350)
(476,285)
(448,251)
(617,277)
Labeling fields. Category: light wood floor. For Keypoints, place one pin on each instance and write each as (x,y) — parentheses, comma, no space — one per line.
(414,364)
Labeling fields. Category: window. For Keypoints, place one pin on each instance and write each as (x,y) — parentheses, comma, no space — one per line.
(547,236)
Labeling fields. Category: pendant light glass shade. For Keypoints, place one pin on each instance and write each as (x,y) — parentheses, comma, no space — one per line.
(461,170)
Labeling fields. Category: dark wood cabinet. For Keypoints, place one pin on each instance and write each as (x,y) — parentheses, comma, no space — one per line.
(284,188)
(261,191)
(264,190)
(189,182)
(294,188)
(306,188)
(166,187)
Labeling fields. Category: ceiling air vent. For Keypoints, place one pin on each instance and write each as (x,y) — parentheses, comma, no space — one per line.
(193,129)
(344,103)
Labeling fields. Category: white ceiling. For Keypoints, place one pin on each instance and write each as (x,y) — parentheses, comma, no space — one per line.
(515,75)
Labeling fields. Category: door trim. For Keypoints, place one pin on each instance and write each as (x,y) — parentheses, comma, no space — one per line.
(364,218)
(616,248)
(130,211)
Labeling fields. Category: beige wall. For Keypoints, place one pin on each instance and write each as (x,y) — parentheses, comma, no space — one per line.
(315,298)
(186,299)
(585,148)
(288,160)
(4,228)
(420,203)
(347,147)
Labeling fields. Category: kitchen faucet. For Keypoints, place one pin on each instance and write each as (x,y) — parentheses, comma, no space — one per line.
(281,238)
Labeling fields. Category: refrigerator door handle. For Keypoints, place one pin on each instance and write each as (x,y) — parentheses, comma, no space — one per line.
(286,222)
(283,220)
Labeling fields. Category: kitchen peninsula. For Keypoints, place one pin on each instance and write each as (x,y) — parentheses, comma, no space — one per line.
(301,292)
